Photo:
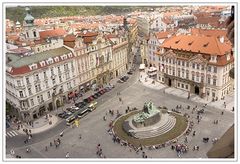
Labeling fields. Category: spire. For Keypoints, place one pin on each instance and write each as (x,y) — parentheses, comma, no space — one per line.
(29,19)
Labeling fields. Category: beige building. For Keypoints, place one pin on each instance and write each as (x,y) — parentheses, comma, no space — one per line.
(197,64)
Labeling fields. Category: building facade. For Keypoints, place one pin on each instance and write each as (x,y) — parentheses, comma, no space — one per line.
(197,64)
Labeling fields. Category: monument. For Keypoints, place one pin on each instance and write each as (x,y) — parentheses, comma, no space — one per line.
(150,122)
(149,116)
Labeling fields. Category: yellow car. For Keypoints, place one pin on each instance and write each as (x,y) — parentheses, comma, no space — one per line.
(92,106)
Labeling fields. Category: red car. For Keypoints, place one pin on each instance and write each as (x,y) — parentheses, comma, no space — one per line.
(90,98)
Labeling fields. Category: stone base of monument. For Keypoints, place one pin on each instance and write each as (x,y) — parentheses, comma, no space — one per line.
(165,124)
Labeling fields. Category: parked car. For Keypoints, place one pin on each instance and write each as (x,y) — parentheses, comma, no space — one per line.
(92,106)
(83,112)
(124,78)
(130,72)
(98,94)
(75,108)
(90,98)
(94,96)
(70,110)
(85,100)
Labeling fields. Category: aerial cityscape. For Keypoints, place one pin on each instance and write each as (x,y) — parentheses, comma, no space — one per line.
(119,82)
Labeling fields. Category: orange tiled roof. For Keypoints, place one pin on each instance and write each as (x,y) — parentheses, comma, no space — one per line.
(52,33)
(202,44)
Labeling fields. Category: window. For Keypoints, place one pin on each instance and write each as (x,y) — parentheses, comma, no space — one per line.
(215,69)
(209,80)
(18,82)
(66,66)
(178,62)
(21,93)
(60,79)
(173,72)
(183,73)
(198,66)
(182,85)
(193,65)
(59,71)
(214,82)
(186,86)
(187,64)
(179,73)
(193,77)
(187,75)
(67,75)
(32,102)
(183,63)
(202,79)
(54,81)
(178,84)
(29,91)
(69,85)
(36,77)
(52,72)
(213,94)
(44,74)
(202,67)
(49,94)
(197,78)
(39,99)
(27,80)
(38,88)
(34,34)
(209,68)
(46,82)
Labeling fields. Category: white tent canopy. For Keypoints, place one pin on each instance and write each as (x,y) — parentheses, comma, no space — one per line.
(142,66)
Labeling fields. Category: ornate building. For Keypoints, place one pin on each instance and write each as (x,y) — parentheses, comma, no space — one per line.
(197,64)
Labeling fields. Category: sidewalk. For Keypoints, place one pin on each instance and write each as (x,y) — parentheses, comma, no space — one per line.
(39,125)
(229,99)
(147,82)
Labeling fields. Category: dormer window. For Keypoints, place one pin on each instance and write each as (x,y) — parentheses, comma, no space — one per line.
(42,63)
(190,43)
(213,59)
(50,61)
(56,59)
(177,41)
(205,45)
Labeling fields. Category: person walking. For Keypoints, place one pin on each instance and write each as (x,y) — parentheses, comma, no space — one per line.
(67,155)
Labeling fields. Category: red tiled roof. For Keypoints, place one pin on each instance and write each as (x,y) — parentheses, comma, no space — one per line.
(52,33)
(202,44)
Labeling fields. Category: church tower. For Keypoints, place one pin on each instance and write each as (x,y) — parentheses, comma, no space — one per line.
(30,30)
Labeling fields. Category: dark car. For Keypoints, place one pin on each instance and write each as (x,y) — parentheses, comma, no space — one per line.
(130,72)
(70,110)
(81,104)
(61,115)
(94,96)
(98,94)
(85,100)
(124,78)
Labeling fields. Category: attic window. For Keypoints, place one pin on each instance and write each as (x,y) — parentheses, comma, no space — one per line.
(190,43)
(205,45)
(177,41)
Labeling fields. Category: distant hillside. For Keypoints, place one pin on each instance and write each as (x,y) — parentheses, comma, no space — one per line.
(18,13)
